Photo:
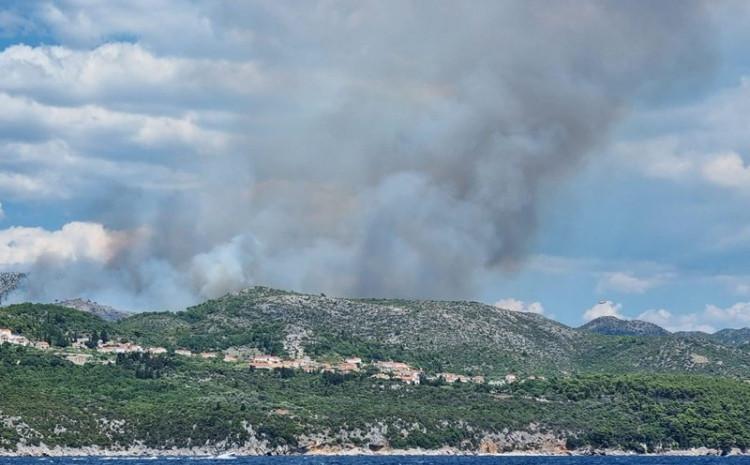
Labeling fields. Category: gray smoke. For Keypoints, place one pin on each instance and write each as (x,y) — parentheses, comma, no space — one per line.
(404,151)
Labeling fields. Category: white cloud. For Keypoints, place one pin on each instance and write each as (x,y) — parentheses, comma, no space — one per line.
(727,170)
(732,316)
(125,73)
(627,283)
(22,247)
(712,318)
(24,186)
(520,306)
(604,308)
(676,322)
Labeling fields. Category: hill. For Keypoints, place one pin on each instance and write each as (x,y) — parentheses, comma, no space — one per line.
(50,406)
(467,338)
(574,390)
(462,337)
(734,337)
(104,312)
(613,326)
(54,324)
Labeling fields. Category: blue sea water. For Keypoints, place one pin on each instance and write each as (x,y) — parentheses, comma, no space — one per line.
(382,460)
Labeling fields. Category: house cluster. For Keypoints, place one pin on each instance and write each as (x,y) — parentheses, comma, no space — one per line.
(7,337)
(306,364)
(451,378)
(386,370)
(398,371)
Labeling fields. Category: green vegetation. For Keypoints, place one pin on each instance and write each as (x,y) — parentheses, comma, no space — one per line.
(193,402)
(57,325)
(459,337)
(635,392)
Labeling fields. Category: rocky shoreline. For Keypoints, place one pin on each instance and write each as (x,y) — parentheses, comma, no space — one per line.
(138,451)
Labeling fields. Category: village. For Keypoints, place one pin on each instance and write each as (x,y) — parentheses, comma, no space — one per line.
(81,351)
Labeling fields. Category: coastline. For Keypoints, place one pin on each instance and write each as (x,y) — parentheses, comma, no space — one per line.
(57,451)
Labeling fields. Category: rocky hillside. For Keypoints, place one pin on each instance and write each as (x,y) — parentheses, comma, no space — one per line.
(613,326)
(462,337)
(104,312)
(734,337)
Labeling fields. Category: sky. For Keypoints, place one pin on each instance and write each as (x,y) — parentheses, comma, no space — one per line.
(574,158)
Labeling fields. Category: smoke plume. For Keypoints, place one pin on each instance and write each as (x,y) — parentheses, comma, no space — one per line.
(381,148)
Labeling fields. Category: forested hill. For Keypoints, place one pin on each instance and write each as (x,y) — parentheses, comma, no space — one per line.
(461,337)
(377,375)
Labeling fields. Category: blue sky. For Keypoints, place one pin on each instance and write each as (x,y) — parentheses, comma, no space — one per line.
(577,159)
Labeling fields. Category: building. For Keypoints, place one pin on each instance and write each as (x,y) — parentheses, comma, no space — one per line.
(41,345)
(7,337)
(80,343)
(451,378)
(510,378)
(410,377)
(119,348)
(392,367)
(157,350)
(347,367)
(400,370)
(266,362)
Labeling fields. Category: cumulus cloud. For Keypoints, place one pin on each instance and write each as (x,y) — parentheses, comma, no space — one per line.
(127,75)
(628,283)
(704,144)
(712,318)
(727,170)
(520,306)
(73,242)
(604,308)
(360,149)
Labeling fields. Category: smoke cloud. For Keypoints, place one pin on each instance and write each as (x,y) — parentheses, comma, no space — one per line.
(371,149)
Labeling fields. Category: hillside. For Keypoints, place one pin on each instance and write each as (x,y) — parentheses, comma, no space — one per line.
(54,324)
(104,312)
(613,326)
(734,337)
(48,403)
(462,337)
(573,390)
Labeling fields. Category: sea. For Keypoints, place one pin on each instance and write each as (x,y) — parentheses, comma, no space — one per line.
(381,460)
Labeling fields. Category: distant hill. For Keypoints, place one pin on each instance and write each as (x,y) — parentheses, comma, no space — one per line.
(104,312)
(613,326)
(735,337)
